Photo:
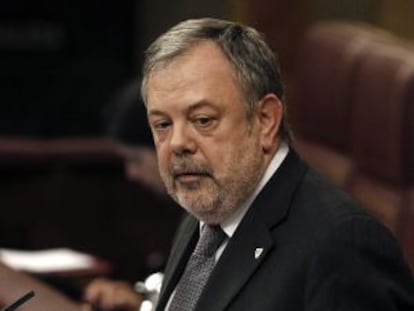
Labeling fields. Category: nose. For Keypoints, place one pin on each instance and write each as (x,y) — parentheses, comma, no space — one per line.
(182,140)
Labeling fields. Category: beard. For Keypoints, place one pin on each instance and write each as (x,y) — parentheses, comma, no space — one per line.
(214,196)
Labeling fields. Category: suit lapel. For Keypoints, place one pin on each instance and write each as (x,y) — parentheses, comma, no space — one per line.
(252,241)
(242,256)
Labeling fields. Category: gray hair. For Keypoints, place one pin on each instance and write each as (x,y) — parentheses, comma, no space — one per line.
(255,66)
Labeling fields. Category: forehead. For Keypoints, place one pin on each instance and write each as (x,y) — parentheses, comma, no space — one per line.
(200,72)
(203,52)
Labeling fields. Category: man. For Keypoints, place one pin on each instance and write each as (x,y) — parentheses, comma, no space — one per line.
(292,242)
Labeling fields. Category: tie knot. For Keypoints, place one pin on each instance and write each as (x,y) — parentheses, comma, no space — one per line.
(210,239)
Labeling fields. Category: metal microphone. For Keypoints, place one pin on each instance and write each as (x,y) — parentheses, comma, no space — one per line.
(17,303)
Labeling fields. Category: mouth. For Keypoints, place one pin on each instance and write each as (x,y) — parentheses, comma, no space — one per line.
(189,177)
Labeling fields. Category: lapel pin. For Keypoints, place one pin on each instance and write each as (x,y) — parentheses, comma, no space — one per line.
(258,252)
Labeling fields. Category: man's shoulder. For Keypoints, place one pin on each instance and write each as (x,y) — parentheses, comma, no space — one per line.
(325,202)
(323,214)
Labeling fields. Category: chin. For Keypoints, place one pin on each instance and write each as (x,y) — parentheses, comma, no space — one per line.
(209,219)
(212,217)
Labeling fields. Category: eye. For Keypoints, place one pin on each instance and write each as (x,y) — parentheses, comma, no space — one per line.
(161,125)
(203,121)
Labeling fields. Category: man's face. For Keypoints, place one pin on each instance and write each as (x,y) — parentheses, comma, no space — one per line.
(209,154)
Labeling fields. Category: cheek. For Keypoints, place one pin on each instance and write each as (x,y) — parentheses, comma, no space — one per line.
(218,156)
(239,149)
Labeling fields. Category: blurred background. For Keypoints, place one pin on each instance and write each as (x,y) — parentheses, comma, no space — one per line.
(62,63)
(62,60)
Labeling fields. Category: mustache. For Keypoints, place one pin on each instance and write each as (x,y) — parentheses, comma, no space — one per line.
(182,166)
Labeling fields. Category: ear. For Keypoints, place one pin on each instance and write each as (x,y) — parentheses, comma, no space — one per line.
(270,113)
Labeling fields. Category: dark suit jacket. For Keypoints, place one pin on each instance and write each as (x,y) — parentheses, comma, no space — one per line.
(321,252)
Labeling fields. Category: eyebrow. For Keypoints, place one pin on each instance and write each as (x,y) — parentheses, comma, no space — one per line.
(200,104)
(197,105)
(155,113)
